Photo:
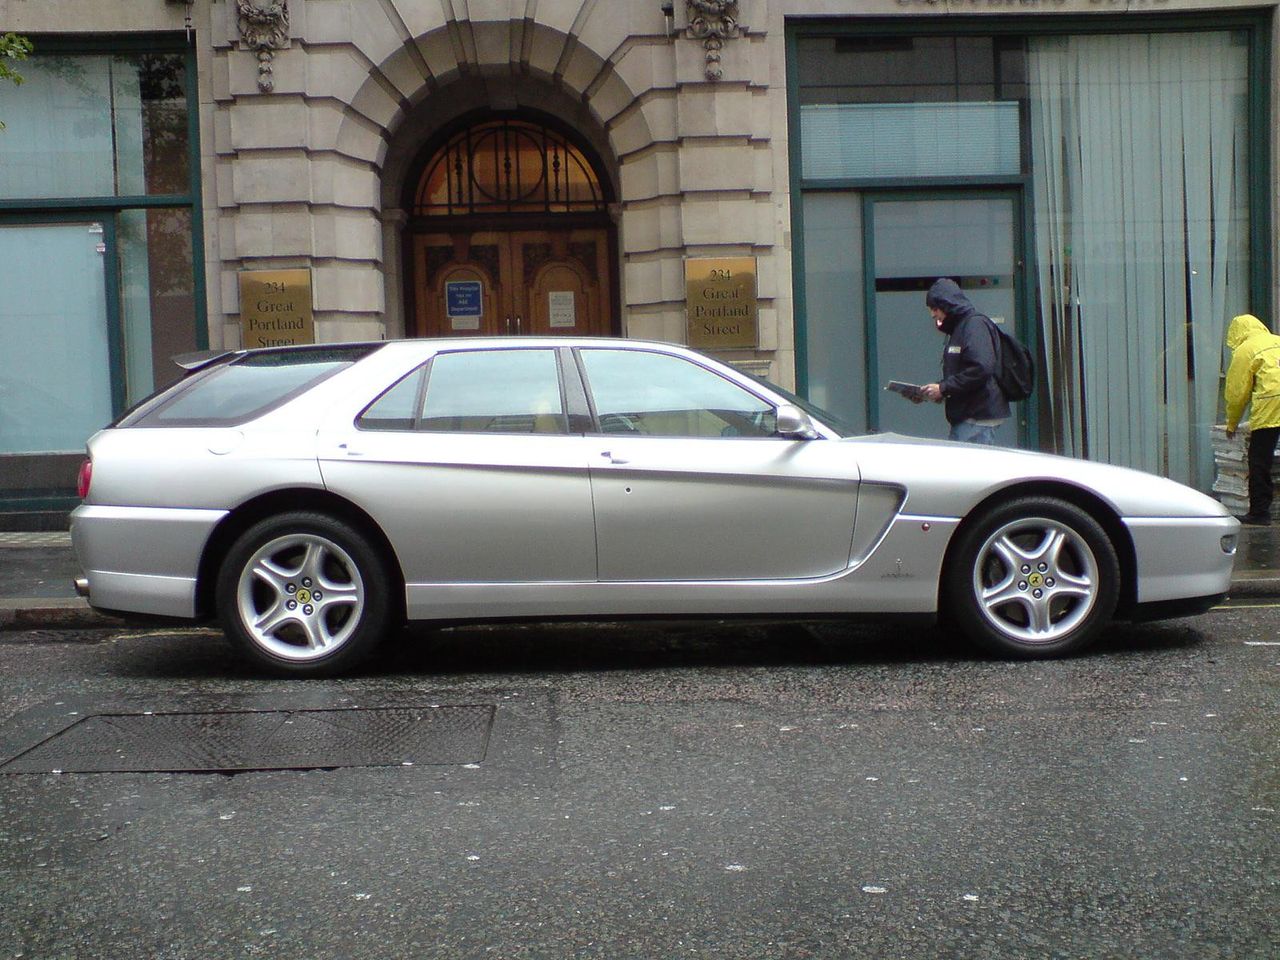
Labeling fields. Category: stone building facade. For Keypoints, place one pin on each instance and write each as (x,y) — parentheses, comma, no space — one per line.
(702,129)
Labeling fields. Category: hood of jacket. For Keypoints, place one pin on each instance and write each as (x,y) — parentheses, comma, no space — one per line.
(947,296)
(1242,328)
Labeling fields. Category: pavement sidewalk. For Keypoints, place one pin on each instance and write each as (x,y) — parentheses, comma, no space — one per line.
(37,570)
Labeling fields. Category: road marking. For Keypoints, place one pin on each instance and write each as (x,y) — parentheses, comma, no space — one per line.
(1246,606)
(1261,643)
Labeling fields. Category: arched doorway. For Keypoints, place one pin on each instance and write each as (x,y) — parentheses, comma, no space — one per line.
(509,233)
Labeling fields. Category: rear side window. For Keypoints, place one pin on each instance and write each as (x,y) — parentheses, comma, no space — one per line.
(478,391)
(243,388)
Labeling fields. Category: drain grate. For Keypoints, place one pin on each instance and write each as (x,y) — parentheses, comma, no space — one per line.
(219,741)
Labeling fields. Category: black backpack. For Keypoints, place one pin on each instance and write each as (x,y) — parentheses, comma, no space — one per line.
(1015,368)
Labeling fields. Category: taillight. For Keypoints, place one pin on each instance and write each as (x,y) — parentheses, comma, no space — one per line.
(84,479)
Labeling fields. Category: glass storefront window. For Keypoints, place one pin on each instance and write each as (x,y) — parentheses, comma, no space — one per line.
(157,296)
(96,125)
(1133,180)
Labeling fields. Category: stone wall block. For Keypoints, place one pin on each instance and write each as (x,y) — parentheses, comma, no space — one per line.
(347,286)
(219,78)
(328,22)
(719,222)
(324,122)
(545,50)
(220,143)
(612,97)
(345,182)
(583,68)
(646,66)
(361,139)
(420,18)
(261,123)
(334,72)
(642,229)
(376,104)
(348,328)
(560,15)
(288,71)
(376,37)
(493,42)
(710,110)
(274,177)
(639,177)
(642,281)
(717,165)
(767,327)
(252,232)
(440,56)
(291,230)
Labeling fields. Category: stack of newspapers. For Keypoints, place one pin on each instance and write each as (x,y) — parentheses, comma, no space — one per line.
(1231,470)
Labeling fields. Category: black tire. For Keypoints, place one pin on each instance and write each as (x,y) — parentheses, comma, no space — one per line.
(1033,578)
(304,594)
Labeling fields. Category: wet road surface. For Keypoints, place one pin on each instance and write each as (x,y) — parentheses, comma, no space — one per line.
(668,790)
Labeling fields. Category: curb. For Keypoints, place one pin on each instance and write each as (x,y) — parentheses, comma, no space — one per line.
(53,614)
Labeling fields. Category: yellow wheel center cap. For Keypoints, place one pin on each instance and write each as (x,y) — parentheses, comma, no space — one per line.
(1036,580)
(304,596)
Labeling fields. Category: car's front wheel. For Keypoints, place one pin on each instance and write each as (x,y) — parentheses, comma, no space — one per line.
(304,594)
(1035,577)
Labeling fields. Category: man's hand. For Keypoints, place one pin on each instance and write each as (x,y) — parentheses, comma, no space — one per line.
(931,391)
(1231,434)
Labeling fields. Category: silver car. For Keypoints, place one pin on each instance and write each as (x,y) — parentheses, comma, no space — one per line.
(314,497)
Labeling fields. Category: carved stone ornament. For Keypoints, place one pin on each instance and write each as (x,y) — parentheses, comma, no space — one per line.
(713,22)
(264,27)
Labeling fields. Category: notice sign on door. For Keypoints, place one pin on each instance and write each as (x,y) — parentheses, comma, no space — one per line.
(275,308)
(560,308)
(720,302)
(464,304)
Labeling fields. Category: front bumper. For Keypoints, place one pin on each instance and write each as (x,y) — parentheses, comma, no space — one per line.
(1181,558)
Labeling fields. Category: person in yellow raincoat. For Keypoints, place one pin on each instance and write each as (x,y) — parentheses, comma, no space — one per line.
(1253,378)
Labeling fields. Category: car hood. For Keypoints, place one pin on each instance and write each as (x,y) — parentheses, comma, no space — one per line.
(947,478)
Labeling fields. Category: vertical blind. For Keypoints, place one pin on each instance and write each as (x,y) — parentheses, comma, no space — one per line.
(1141,201)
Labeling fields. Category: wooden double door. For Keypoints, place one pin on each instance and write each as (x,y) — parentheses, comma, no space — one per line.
(512,283)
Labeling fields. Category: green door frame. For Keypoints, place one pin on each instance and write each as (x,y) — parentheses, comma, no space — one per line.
(1024,330)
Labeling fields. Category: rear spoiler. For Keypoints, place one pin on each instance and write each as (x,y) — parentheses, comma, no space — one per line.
(199,359)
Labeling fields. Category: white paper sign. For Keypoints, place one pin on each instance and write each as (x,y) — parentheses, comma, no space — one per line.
(561,306)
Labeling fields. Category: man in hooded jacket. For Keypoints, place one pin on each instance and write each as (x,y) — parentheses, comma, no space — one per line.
(1253,378)
(975,403)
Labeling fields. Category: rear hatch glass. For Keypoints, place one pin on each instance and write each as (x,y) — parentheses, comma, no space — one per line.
(242,387)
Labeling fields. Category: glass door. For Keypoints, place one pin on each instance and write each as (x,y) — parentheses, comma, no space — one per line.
(911,240)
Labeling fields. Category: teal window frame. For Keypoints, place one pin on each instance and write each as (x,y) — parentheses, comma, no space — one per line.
(106,210)
(1257,24)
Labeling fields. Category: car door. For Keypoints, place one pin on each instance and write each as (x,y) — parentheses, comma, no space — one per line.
(468,466)
(691,483)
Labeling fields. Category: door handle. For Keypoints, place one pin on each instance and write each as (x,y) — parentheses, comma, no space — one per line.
(350,451)
(608,455)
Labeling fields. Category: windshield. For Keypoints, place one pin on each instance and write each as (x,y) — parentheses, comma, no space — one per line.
(826,417)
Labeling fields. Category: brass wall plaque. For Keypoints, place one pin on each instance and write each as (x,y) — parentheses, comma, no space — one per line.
(275,307)
(720,302)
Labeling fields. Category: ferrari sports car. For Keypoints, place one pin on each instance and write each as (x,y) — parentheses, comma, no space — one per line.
(313,498)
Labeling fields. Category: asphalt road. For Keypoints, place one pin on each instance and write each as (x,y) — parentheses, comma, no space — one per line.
(673,790)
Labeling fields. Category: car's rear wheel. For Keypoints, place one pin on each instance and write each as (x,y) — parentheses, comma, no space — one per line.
(1035,577)
(304,594)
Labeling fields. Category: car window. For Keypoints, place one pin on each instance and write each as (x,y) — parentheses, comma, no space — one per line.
(655,394)
(244,388)
(494,391)
(397,408)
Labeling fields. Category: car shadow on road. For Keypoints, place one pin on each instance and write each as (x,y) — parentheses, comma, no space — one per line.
(602,647)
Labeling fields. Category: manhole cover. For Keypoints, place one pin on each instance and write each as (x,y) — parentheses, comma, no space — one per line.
(262,740)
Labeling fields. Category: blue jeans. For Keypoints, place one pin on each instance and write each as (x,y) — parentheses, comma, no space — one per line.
(967,432)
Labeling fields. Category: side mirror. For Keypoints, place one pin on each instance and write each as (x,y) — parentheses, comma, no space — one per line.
(794,424)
